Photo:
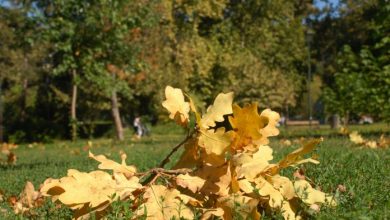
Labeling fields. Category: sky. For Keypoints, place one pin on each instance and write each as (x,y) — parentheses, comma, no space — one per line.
(321,4)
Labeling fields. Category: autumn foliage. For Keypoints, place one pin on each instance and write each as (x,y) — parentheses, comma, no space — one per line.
(221,173)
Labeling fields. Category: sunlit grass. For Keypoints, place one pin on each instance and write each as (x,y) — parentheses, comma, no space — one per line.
(364,172)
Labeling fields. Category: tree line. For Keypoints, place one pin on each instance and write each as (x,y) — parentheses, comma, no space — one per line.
(77,68)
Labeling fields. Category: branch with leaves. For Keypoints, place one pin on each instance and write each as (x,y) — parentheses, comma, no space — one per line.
(221,173)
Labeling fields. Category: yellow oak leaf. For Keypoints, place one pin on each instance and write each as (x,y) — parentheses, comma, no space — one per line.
(311,196)
(267,189)
(237,206)
(163,203)
(107,164)
(222,106)
(208,213)
(125,187)
(215,142)
(96,187)
(306,192)
(192,183)
(289,211)
(295,157)
(356,138)
(247,124)
(177,107)
(284,185)
(245,186)
(218,179)
(89,192)
(371,144)
(249,165)
(270,129)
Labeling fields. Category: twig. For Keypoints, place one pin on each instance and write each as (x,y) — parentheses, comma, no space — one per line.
(166,160)
(156,172)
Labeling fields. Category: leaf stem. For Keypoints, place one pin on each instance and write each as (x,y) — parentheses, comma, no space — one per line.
(160,169)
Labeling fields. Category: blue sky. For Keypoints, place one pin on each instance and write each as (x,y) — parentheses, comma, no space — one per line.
(321,4)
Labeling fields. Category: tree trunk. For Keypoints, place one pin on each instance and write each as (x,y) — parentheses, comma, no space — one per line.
(346,119)
(24,91)
(1,112)
(116,116)
(73,107)
(335,121)
(23,100)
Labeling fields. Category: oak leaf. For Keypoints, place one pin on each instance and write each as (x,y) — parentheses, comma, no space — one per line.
(289,212)
(163,203)
(265,188)
(237,206)
(222,106)
(270,129)
(247,124)
(218,179)
(208,213)
(309,195)
(107,164)
(175,104)
(215,142)
(193,183)
(295,157)
(249,165)
(356,138)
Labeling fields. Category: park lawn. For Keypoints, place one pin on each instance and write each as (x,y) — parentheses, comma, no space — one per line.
(364,172)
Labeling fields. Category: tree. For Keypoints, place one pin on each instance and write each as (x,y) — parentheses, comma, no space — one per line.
(88,39)
(361,71)
(347,95)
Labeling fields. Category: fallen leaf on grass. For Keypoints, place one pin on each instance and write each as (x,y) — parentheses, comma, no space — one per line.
(28,199)
(356,138)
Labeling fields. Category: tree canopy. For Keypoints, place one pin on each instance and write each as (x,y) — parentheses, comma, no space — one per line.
(74,68)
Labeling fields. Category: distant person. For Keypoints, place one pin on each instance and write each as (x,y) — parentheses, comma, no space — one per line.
(138,126)
(366,119)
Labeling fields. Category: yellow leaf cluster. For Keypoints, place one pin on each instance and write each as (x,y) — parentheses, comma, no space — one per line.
(93,191)
(357,139)
(228,174)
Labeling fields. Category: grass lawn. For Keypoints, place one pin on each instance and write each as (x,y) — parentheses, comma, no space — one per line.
(364,172)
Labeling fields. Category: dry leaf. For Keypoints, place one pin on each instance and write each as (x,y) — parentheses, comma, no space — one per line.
(222,106)
(247,124)
(356,138)
(163,203)
(177,107)
(215,142)
(107,164)
(193,183)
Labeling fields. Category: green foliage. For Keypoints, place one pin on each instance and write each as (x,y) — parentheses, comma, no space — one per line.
(348,94)
(353,57)
(255,48)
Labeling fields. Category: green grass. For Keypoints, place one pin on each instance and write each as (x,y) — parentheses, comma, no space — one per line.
(364,172)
